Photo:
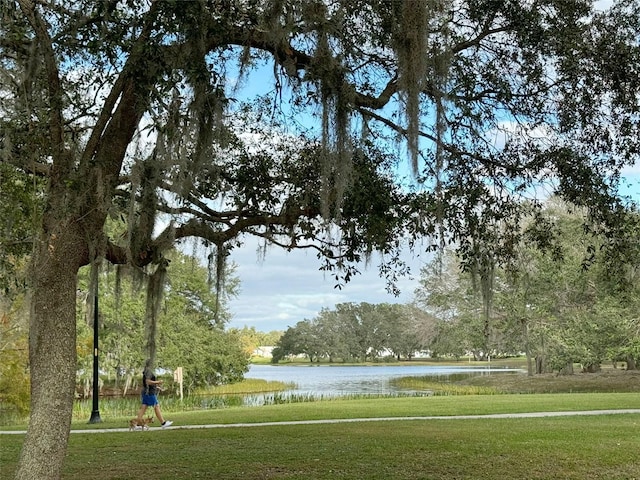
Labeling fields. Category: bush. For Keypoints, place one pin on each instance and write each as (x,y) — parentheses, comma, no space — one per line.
(14,381)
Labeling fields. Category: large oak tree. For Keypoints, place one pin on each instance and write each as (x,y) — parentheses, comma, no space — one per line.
(133,106)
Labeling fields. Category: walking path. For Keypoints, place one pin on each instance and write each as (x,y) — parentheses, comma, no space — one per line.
(353,420)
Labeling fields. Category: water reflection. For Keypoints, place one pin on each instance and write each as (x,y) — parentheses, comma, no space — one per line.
(335,380)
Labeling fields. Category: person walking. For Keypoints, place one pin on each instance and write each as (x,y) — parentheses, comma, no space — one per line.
(150,394)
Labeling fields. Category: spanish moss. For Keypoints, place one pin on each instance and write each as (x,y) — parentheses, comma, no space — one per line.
(482,275)
(155,294)
(219,255)
(410,44)
(145,179)
(336,102)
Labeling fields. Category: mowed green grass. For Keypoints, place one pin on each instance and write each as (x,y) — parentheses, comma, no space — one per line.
(593,447)
(543,448)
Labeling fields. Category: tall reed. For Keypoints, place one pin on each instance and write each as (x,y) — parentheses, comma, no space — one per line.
(434,387)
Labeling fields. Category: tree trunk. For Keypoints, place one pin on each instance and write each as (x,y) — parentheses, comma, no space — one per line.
(590,368)
(540,364)
(80,193)
(527,345)
(567,369)
(52,351)
(631,363)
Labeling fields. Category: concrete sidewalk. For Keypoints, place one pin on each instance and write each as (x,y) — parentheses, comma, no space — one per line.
(354,420)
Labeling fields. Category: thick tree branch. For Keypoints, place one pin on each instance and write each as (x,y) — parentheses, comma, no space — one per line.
(62,161)
(127,76)
(31,167)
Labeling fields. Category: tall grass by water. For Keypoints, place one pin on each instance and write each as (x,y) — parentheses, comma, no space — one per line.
(258,392)
(434,386)
(123,407)
(249,392)
(219,396)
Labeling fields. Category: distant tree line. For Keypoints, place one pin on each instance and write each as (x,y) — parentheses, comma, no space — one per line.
(354,333)
(252,339)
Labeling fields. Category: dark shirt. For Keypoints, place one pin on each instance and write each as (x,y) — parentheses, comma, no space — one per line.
(149,389)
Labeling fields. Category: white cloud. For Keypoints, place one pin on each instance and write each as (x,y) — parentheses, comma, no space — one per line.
(287,287)
(602,5)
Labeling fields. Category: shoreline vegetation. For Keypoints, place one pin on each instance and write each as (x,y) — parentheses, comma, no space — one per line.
(611,378)
(253,392)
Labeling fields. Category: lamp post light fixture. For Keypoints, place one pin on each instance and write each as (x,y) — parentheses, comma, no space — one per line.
(95,412)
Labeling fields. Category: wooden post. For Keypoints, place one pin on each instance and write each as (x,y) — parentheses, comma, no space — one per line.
(177,377)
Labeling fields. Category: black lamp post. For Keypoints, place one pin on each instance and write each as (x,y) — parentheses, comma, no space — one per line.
(95,413)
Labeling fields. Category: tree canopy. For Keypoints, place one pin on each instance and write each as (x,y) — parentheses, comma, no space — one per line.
(137,108)
(560,306)
(190,330)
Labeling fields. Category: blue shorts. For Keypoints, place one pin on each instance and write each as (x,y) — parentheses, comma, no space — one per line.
(149,400)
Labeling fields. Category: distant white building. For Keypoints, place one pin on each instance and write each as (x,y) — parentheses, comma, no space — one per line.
(264,351)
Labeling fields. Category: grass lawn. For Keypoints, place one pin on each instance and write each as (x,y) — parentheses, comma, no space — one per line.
(595,447)
(581,448)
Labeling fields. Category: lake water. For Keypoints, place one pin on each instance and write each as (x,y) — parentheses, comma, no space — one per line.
(336,380)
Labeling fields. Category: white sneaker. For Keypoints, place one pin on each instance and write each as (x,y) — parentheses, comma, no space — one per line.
(167,423)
